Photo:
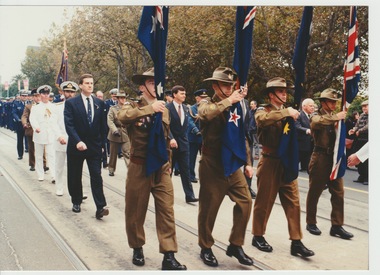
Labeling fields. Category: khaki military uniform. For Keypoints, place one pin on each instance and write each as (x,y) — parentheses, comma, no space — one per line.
(115,141)
(137,117)
(269,174)
(320,166)
(214,186)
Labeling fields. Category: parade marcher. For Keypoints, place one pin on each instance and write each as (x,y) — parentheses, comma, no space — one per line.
(29,130)
(42,119)
(214,185)
(99,94)
(250,128)
(323,130)
(137,117)
(270,171)
(179,143)
(305,140)
(194,133)
(17,111)
(69,89)
(361,137)
(117,134)
(85,124)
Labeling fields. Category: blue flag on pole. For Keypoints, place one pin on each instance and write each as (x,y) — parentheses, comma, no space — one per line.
(152,33)
(63,70)
(233,138)
(288,148)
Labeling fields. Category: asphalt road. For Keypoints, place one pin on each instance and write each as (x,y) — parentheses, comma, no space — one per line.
(40,232)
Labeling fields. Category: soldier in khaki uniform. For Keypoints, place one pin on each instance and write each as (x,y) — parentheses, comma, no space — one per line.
(137,117)
(29,130)
(117,134)
(323,130)
(214,185)
(270,123)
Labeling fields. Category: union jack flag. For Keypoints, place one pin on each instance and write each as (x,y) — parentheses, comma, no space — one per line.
(350,90)
(152,33)
(63,70)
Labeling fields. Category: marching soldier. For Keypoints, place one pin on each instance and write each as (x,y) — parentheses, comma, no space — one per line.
(270,170)
(321,163)
(137,116)
(117,134)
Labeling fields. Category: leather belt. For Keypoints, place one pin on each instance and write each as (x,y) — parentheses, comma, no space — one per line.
(137,160)
(269,151)
(328,151)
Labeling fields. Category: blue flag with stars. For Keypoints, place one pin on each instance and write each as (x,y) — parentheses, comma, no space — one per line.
(152,33)
(288,149)
(233,138)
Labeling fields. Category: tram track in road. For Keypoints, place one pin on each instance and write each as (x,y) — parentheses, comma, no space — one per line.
(72,257)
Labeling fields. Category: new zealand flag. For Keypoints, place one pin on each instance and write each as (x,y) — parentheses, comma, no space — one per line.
(152,33)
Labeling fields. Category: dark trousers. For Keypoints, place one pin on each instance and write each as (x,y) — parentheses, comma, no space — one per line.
(304,158)
(20,142)
(193,153)
(182,158)
(74,179)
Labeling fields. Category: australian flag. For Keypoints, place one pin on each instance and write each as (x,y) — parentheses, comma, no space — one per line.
(63,70)
(152,33)
(350,84)
(288,149)
(233,139)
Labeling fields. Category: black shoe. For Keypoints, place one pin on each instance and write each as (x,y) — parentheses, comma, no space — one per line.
(84,197)
(359,179)
(19,158)
(253,194)
(105,165)
(101,212)
(46,168)
(260,243)
(188,199)
(313,229)
(120,156)
(138,256)
(337,230)
(26,151)
(176,173)
(76,208)
(32,168)
(238,253)
(194,180)
(170,263)
(297,248)
(208,257)
(111,174)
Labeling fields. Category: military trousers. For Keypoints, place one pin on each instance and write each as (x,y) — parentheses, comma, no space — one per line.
(214,186)
(137,193)
(270,183)
(320,168)
(114,151)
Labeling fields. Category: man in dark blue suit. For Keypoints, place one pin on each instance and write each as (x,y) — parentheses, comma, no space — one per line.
(305,140)
(17,111)
(179,120)
(85,124)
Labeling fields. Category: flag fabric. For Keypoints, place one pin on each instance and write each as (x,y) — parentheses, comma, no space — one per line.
(300,53)
(63,70)
(350,90)
(288,148)
(243,41)
(233,137)
(152,33)
(352,63)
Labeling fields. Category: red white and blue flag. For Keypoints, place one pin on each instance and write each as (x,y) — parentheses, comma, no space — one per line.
(63,70)
(152,33)
(350,90)
(233,138)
